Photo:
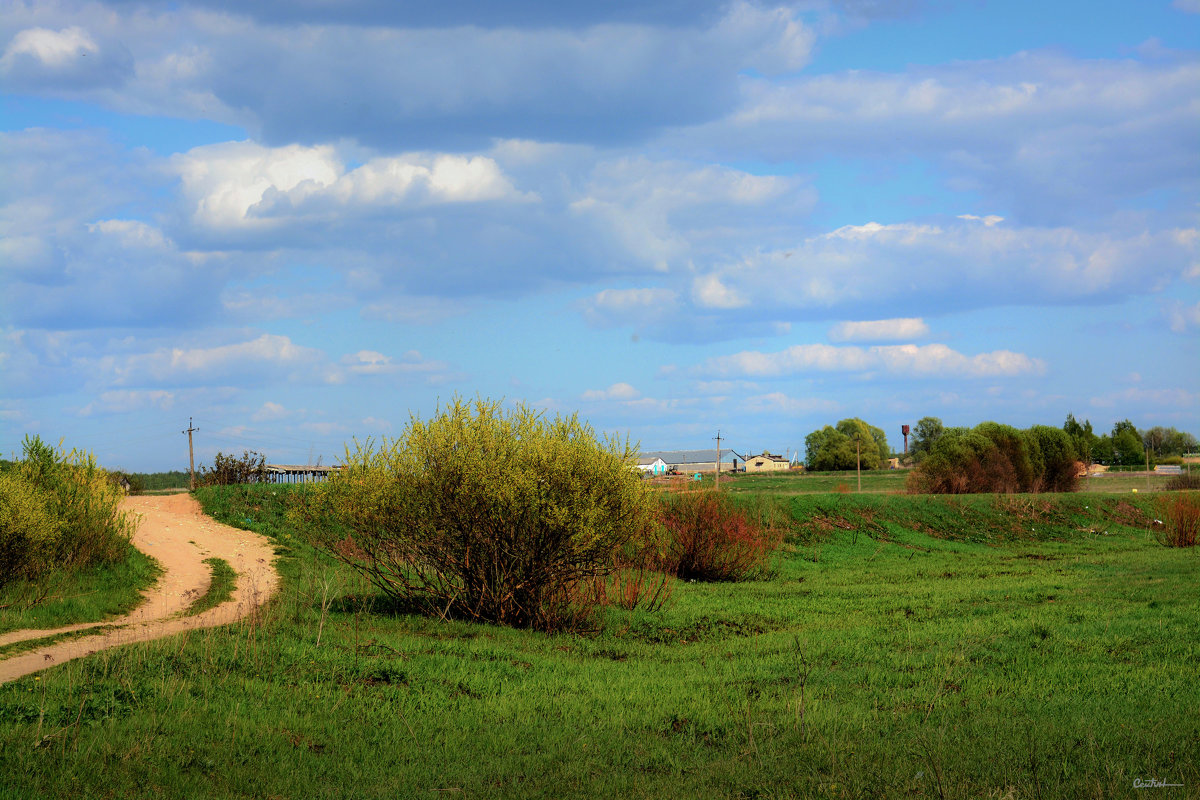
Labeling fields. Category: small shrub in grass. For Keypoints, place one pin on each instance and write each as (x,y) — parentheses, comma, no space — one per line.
(229,470)
(478,513)
(706,537)
(1183,483)
(1180,515)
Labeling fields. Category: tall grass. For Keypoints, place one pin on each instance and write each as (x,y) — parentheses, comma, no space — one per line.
(1180,517)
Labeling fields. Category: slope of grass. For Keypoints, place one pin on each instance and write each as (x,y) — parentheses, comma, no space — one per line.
(901,651)
(66,597)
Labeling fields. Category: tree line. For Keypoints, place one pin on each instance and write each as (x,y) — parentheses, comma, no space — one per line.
(993,457)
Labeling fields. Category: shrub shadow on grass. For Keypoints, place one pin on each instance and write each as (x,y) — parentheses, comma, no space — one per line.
(378,605)
(704,629)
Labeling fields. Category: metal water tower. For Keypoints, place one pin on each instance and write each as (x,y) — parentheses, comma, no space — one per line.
(904,430)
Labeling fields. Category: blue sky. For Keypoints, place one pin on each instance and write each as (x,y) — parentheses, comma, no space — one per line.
(299,223)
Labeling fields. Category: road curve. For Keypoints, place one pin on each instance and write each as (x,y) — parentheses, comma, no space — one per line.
(175,533)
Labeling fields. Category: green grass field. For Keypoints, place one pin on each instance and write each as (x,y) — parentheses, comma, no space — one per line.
(1029,646)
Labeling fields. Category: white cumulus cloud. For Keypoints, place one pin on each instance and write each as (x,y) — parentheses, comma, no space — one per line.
(618,391)
(880,330)
(245,183)
(931,360)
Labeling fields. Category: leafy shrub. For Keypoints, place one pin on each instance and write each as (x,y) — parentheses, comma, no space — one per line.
(708,538)
(228,470)
(502,517)
(59,511)
(1183,482)
(27,531)
(1180,515)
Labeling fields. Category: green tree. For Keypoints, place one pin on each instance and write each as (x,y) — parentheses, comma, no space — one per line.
(1082,437)
(924,435)
(1181,443)
(1056,459)
(837,448)
(1127,447)
(828,449)
(1162,441)
(507,517)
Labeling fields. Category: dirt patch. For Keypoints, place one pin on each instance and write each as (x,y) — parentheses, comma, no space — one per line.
(175,533)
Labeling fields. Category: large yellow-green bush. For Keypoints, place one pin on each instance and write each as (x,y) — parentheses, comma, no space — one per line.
(58,510)
(27,531)
(482,513)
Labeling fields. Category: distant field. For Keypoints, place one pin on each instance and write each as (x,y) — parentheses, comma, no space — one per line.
(904,646)
(873,481)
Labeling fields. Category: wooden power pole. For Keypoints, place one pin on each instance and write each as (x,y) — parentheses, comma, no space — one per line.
(858,466)
(191,456)
(717,478)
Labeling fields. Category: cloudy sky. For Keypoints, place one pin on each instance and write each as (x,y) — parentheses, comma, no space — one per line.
(299,222)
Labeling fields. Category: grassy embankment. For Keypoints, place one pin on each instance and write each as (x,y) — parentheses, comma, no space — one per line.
(906,646)
(66,597)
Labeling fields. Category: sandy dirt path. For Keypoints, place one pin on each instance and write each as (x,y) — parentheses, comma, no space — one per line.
(175,533)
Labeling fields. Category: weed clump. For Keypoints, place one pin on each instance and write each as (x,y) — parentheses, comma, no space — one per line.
(1182,483)
(1180,514)
(706,537)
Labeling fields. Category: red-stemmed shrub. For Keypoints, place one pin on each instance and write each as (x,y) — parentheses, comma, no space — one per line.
(1180,518)
(706,537)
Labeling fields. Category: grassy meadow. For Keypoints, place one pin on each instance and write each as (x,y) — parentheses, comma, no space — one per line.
(903,646)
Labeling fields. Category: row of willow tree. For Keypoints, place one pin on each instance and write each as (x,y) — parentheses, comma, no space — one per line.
(1125,446)
(992,457)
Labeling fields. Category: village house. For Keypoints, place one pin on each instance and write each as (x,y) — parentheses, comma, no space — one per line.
(767,462)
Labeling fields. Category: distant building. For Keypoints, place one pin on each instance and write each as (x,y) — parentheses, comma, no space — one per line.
(767,462)
(692,461)
(652,466)
(298,473)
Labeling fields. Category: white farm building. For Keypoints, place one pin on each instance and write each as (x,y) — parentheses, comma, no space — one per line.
(652,465)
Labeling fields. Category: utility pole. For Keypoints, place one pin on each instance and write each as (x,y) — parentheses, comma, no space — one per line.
(1147,469)
(191,456)
(858,465)
(717,478)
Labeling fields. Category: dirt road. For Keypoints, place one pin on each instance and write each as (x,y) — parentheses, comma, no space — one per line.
(179,537)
